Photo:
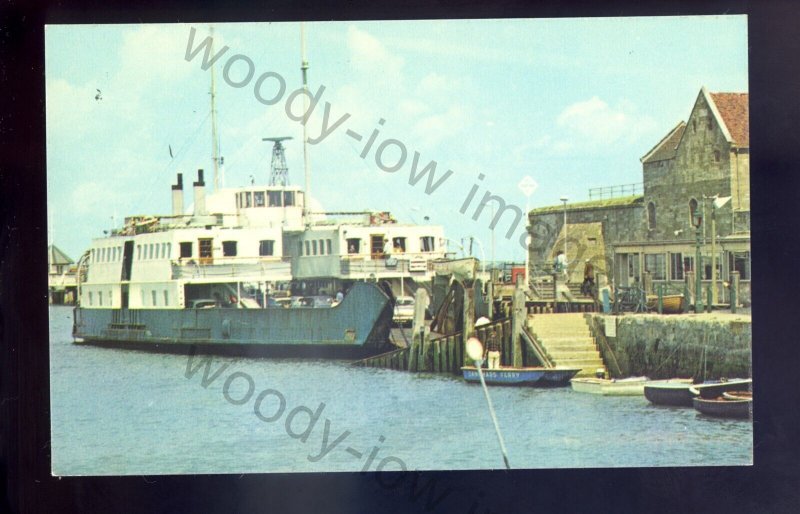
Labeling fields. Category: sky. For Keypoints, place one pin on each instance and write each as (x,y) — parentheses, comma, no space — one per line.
(572,103)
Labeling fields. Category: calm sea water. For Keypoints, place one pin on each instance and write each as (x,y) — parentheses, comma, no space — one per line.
(128,412)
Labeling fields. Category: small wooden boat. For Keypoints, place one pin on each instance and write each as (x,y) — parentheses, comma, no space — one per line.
(672,304)
(681,394)
(530,376)
(632,386)
(725,407)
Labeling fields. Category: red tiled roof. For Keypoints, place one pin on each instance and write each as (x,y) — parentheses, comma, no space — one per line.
(666,148)
(735,111)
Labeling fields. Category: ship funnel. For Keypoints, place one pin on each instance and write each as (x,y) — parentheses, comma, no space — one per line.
(199,195)
(177,196)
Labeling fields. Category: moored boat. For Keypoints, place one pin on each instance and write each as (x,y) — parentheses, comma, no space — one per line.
(528,376)
(671,304)
(729,406)
(631,386)
(681,394)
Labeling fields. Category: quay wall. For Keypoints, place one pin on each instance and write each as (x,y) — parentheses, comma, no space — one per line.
(660,346)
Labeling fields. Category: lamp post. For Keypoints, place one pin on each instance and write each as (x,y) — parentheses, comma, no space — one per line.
(474,350)
(697,221)
(566,258)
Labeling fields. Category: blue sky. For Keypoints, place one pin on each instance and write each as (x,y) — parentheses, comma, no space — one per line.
(574,103)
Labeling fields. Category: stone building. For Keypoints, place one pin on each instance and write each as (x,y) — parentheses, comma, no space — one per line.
(61,277)
(700,166)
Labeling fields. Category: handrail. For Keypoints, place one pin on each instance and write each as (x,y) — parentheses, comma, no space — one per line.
(534,345)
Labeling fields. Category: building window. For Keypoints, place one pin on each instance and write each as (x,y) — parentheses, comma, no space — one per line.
(266,248)
(717,155)
(229,248)
(740,261)
(688,264)
(706,269)
(153,294)
(651,216)
(314,247)
(633,266)
(655,264)
(692,210)
(288,198)
(330,246)
(353,245)
(694,125)
(258,198)
(186,249)
(426,244)
(399,244)
(274,198)
(710,123)
(676,266)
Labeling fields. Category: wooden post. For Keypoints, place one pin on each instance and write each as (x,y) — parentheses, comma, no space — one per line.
(435,356)
(468,328)
(519,317)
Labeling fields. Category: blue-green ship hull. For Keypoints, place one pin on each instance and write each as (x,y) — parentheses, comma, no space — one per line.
(359,325)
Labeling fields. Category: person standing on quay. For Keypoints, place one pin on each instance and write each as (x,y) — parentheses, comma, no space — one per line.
(493,349)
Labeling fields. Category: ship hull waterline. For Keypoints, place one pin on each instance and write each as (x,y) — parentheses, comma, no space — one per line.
(359,326)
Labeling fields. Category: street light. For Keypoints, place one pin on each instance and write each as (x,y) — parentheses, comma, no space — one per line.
(697,222)
(474,350)
(566,258)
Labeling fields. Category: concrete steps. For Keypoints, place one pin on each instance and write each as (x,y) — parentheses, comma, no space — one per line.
(567,340)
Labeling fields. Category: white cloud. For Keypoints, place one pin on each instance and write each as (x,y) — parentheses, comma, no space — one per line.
(594,123)
(371,56)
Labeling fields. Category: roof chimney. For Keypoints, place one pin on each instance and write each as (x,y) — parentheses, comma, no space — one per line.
(199,195)
(177,196)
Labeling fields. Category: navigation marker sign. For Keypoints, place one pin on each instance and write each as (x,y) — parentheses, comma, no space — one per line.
(527,185)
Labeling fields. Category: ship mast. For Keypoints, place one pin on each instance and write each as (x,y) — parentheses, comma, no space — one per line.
(306,164)
(214,139)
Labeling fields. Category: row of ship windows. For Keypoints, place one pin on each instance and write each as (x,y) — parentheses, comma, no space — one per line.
(260,199)
(316,247)
(154,296)
(680,264)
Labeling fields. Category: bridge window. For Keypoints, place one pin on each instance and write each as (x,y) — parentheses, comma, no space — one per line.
(426,243)
(314,247)
(166,297)
(288,198)
(330,246)
(353,245)
(100,298)
(229,248)
(248,199)
(186,249)
(308,248)
(153,294)
(274,198)
(258,198)
(138,252)
(91,298)
(266,248)
(322,247)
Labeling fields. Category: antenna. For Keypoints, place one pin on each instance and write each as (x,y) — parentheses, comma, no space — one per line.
(304,71)
(214,140)
(279,172)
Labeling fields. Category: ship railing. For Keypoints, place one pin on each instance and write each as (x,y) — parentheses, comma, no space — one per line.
(392,264)
(230,267)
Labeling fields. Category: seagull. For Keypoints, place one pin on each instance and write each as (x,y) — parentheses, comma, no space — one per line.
(99,95)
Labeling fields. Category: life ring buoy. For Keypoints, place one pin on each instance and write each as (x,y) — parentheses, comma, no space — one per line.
(233,299)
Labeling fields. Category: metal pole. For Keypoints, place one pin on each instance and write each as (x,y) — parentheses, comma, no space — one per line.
(713,256)
(494,417)
(698,284)
(527,248)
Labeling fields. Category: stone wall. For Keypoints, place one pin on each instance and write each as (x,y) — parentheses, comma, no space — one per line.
(673,346)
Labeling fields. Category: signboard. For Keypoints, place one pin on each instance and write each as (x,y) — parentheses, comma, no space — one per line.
(527,185)
(418,265)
